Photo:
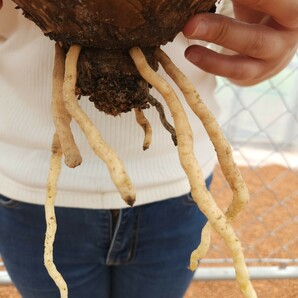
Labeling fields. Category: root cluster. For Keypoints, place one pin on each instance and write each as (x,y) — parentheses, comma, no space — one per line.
(65,107)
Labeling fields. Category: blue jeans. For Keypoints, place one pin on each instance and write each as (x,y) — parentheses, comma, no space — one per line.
(142,254)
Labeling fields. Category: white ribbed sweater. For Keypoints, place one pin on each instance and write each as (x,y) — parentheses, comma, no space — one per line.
(26,129)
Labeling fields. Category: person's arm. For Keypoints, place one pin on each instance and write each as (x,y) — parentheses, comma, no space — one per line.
(263,35)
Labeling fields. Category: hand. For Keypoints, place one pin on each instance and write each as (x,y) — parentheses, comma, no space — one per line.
(263,37)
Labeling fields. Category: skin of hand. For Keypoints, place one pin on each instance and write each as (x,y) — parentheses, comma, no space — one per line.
(263,38)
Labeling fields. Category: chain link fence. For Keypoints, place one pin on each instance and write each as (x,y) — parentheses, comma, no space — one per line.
(262,127)
(261,123)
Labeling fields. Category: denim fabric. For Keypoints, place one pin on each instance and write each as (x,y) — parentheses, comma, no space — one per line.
(144,254)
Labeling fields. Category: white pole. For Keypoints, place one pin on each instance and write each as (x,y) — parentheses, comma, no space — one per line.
(257,272)
(4,278)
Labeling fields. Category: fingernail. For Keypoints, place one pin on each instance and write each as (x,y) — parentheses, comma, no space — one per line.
(200,30)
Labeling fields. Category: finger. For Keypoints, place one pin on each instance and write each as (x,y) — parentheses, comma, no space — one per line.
(253,40)
(246,14)
(285,12)
(237,68)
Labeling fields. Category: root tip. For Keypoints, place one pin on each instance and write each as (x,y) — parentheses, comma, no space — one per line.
(130,201)
(174,138)
(193,266)
(73,162)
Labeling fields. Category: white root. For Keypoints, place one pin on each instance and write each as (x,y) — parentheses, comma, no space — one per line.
(220,143)
(201,251)
(54,172)
(201,195)
(63,143)
(145,124)
(101,149)
(61,117)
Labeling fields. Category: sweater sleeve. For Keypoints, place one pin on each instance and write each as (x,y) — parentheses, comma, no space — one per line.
(225,7)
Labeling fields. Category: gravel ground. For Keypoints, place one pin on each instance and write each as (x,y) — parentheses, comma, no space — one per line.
(228,289)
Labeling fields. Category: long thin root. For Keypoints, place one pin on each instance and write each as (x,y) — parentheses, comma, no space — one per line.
(220,143)
(101,149)
(60,115)
(54,172)
(154,102)
(144,123)
(201,251)
(190,165)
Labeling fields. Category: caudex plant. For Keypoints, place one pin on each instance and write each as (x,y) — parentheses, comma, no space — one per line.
(110,51)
